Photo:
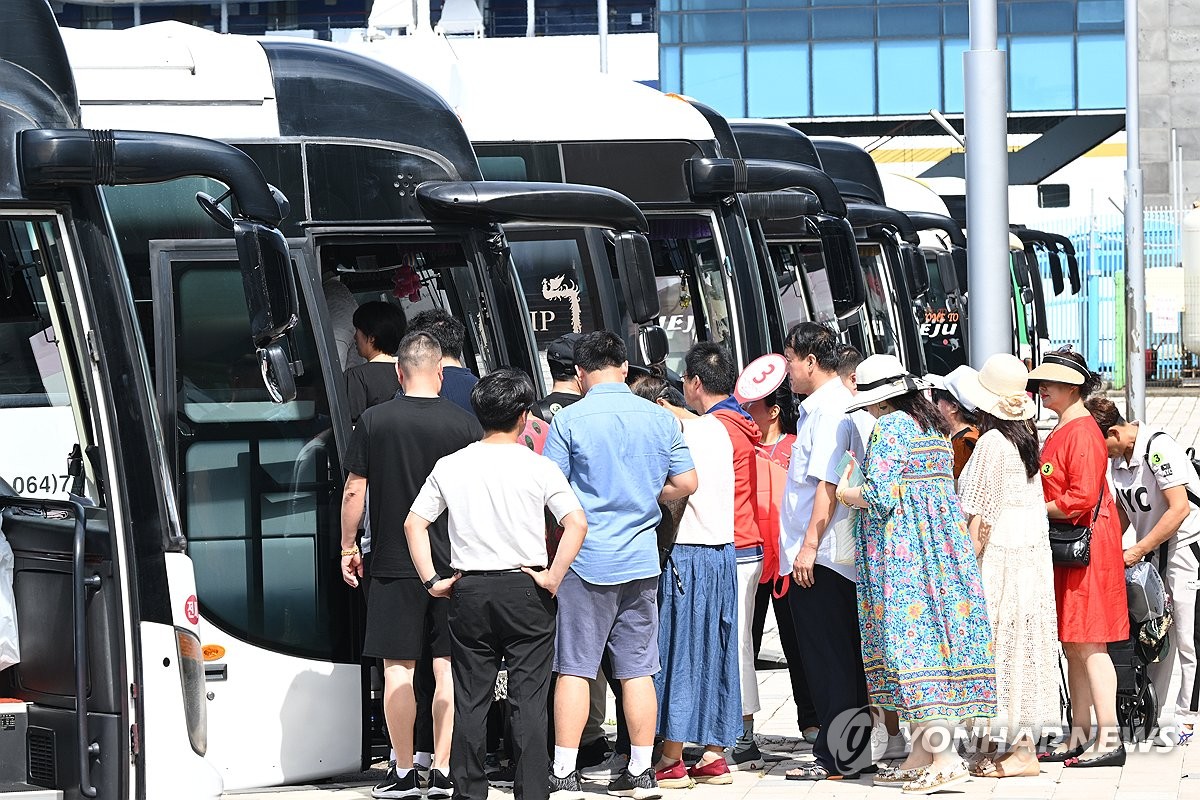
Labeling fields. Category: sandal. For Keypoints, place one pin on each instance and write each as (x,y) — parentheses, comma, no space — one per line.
(982,767)
(894,776)
(929,781)
(811,772)
(1185,736)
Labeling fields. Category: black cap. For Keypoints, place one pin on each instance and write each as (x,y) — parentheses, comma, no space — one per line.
(561,352)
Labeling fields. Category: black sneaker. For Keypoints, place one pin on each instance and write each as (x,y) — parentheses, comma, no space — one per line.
(568,788)
(440,787)
(639,787)
(396,788)
(748,757)
(502,777)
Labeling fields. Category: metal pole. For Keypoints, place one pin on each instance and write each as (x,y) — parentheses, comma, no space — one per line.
(989,270)
(530,10)
(224,16)
(1135,249)
(137,14)
(602,13)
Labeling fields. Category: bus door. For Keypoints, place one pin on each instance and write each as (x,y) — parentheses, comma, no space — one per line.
(259,490)
(881,318)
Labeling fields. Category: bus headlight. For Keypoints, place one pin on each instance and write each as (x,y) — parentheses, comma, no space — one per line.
(191,673)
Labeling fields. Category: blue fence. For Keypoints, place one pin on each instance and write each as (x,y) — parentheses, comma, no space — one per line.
(1088,320)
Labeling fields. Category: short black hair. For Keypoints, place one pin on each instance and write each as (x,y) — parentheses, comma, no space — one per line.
(810,339)
(448,331)
(500,397)
(783,399)
(848,360)
(599,350)
(383,322)
(655,388)
(712,364)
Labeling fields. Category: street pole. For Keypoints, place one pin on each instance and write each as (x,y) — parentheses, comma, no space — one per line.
(1135,250)
(988,270)
(530,10)
(602,14)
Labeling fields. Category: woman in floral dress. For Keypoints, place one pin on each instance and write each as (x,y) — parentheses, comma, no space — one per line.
(927,646)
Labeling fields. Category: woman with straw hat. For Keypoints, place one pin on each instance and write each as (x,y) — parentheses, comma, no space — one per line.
(1090,600)
(1001,493)
(926,641)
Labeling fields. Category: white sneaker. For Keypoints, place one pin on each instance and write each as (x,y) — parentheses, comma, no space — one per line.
(897,747)
(879,743)
(607,770)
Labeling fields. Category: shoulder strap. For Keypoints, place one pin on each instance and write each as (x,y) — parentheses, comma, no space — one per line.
(1192,498)
(544,410)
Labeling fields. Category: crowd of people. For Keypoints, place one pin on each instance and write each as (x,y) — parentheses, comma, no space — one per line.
(630,531)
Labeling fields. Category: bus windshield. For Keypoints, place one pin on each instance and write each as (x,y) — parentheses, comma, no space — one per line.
(37,420)
(692,292)
(881,300)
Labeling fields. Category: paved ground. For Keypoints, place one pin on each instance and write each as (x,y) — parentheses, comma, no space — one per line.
(1151,773)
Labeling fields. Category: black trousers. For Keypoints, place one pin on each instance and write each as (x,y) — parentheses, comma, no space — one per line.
(825,617)
(494,617)
(806,712)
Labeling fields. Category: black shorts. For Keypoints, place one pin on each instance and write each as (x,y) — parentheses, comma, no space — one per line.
(404,620)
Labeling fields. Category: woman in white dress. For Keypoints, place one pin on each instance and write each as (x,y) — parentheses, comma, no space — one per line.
(1001,491)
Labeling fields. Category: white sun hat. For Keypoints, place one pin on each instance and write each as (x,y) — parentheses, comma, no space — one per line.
(881,377)
(999,388)
(953,384)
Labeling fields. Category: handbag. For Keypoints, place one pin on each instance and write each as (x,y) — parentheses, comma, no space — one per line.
(1070,544)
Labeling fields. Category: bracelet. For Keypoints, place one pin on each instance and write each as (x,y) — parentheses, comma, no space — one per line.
(840,496)
(353,551)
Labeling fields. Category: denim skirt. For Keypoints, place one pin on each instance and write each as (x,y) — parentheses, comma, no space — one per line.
(699,689)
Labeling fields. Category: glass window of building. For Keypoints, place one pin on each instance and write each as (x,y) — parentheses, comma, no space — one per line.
(777,80)
(1102,71)
(954,19)
(1042,73)
(1043,16)
(833,94)
(1101,15)
(843,23)
(908,76)
(716,76)
(669,78)
(909,21)
(952,75)
(778,26)
(721,26)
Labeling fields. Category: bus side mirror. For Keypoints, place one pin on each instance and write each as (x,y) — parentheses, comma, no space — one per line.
(635,267)
(918,272)
(271,300)
(653,346)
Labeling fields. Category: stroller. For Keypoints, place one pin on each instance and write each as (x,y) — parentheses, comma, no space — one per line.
(1149,626)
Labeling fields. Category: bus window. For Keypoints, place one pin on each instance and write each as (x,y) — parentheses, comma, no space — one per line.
(417,276)
(257,491)
(800,271)
(881,300)
(555,270)
(692,293)
(37,417)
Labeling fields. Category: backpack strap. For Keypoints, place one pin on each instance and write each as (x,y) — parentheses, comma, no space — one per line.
(1192,498)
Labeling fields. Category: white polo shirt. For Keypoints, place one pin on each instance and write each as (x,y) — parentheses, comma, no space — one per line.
(496,495)
(1140,481)
(824,433)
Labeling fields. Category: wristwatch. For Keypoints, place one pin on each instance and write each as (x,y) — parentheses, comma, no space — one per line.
(429,583)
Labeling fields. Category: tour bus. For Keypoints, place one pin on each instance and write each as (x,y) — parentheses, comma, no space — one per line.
(662,153)
(388,205)
(887,249)
(108,697)
(1026,256)
(944,252)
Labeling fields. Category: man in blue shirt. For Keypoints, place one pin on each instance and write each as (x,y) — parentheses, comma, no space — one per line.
(457,380)
(622,456)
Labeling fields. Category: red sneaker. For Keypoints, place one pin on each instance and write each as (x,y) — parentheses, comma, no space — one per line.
(675,776)
(714,772)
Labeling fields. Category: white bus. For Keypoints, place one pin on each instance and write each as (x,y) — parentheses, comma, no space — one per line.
(388,204)
(110,681)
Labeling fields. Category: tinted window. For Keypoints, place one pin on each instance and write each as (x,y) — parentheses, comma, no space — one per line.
(881,301)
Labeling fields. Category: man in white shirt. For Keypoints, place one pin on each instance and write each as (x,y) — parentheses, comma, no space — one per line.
(502,602)
(823,597)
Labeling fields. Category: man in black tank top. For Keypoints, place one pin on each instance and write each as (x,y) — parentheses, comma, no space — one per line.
(560,356)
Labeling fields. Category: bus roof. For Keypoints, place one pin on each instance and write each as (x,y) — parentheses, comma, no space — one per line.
(499,103)
(185,79)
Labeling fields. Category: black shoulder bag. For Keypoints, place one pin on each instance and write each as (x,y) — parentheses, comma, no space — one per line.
(1071,545)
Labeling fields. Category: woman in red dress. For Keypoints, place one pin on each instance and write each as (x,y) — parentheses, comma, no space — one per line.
(1091,600)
